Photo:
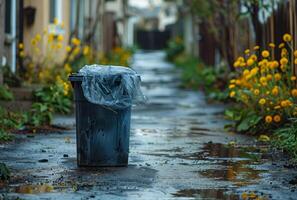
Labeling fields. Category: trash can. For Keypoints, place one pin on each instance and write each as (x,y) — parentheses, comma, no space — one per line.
(103,98)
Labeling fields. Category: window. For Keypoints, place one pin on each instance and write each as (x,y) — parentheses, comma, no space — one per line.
(8,17)
(53,10)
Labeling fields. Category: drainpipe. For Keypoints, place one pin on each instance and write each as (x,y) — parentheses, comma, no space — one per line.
(59,6)
(13,35)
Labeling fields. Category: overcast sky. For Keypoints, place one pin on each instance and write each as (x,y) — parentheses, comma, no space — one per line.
(144,3)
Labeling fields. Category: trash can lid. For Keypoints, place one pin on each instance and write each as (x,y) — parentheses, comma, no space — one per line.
(116,87)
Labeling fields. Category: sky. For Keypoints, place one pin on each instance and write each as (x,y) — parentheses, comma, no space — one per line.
(144,3)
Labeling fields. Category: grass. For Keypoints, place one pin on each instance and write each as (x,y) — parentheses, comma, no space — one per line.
(286,138)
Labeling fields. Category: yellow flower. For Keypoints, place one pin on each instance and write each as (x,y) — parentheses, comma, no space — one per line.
(293,78)
(232,94)
(75,41)
(33,42)
(277,107)
(22,54)
(247,51)
(283,68)
(265,53)
(275,64)
(256,92)
(86,50)
(295,53)
(56,21)
(231,86)
(276,118)
(76,51)
(271,45)
(240,59)
(287,37)
(294,92)
(277,76)
(275,91)
(269,77)
(246,72)
(254,57)
(60,38)
(250,62)
(254,71)
(268,119)
(284,52)
(21,45)
(243,64)
(281,45)
(68,48)
(262,101)
(59,46)
(264,138)
(236,64)
(232,81)
(38,37)
(50,37)
(244,196)
(263,80)
(67,68)
(295,61)
(256,47)
(283,103)
(238,82)
(286,103)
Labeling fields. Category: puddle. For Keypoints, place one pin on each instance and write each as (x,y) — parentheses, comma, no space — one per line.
(239,174)
(237,163)
(218,194)
(207,194)
(34,189)
(222,151)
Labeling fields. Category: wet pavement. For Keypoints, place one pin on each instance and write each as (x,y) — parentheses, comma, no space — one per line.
(178,150)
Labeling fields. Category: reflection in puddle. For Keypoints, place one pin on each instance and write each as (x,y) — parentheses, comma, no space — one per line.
(218,194)
(34,189)
(206,194)
(218,150)
(236,163)
(238,173)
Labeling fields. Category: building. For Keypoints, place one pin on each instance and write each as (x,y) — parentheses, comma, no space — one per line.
(100,23)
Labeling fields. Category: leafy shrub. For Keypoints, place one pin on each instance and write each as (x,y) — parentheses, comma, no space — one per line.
(286,138)
(196,75)
(265,86)
(175,47)
(56,97)
(5,93)
(10,78)
(10,120)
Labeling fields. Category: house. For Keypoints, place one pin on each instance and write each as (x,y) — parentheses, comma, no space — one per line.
(100,23)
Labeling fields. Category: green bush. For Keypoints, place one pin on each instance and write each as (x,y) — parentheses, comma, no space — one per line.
(286,138)
(49,99)
(175,47)
(196,75)
(55,98)
(5,93)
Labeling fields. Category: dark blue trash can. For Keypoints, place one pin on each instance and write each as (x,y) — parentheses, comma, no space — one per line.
(102,132)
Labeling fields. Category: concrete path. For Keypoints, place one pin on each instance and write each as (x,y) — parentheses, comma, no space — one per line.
(178,150)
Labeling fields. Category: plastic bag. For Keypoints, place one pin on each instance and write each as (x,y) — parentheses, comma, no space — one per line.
(112,86)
